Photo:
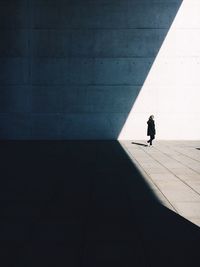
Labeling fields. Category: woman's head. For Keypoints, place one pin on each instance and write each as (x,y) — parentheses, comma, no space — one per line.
(151,117)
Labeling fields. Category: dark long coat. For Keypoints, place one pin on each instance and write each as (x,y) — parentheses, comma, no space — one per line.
(151,127)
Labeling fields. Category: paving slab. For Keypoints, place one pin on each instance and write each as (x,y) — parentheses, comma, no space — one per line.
(84,203)
(172,170)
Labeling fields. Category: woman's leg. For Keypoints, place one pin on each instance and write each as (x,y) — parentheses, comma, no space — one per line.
(151,139)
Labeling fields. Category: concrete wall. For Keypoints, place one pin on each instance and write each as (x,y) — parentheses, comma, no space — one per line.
(172,88)
(73,69)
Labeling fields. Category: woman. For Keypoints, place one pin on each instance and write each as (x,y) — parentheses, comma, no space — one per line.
(151,131)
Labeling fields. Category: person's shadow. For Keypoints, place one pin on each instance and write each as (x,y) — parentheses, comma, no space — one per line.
(84,203)
(139,144)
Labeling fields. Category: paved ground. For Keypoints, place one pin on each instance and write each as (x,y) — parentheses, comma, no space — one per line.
(84,203)
(172,169)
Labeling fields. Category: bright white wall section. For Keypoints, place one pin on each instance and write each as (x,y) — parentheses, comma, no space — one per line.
(172,88)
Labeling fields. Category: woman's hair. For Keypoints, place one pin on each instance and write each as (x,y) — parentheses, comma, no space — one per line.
(151,117)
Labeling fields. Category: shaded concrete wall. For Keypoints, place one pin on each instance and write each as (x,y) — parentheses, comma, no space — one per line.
(73,69)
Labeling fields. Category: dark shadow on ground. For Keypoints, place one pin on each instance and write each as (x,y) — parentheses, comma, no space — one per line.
(85,204)
(139,144)
(198,148)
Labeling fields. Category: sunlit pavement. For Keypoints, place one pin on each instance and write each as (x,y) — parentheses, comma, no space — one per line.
(172,170)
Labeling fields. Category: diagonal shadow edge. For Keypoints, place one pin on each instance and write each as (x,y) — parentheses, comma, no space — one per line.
(86,210)
(124,133)
(111,73)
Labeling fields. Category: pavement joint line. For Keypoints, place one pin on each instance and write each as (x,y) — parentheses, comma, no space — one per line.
(185,155)
(182,152)
(179,161)
(174,173)
(144,173)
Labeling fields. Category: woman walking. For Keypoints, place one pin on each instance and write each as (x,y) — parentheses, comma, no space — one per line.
(151,131)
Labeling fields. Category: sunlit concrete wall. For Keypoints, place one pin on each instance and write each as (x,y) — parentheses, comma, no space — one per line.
(171,90)
(72,69)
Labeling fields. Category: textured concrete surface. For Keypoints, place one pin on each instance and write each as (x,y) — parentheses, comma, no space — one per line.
(172,169)
(73,69)
(171,89)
